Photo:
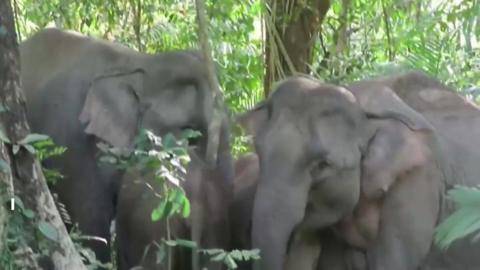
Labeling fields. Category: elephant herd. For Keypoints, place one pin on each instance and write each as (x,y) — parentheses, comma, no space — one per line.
(347,177)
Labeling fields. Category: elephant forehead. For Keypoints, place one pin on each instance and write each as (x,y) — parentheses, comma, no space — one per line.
(304,96)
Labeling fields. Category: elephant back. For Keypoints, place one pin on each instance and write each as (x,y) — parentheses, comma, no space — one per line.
(40,54)
(53,51)
(455,119)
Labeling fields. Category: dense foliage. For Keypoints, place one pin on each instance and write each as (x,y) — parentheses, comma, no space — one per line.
(359,38)
(439,37)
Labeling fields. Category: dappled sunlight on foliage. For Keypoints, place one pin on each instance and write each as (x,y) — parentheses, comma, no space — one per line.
(385,36)
(358,38)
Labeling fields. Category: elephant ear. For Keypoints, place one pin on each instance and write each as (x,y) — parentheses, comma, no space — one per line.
(252,120)
(380,101)
(112,107)
(393,151)
(396,147)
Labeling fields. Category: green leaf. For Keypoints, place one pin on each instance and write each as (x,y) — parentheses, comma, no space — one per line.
(230,262)
(15,148)
(47,149)
(30,148)
(190,134)
(169,141)
(213,251)
(33,137)
(160,254)
(236,254)
(464,221)
(186,243)
(253,254)
(19,202)
(168,209)
(108,159)
(48,230)
(4,137)
(3,31)
(4,167)
(159,212)
(28,213)
(52,176)
(219,257)
(186,208)
(170,243)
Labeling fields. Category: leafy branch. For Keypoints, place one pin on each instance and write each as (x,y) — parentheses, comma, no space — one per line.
(464,221)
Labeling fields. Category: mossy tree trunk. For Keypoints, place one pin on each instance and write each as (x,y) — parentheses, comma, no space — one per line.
(292,28)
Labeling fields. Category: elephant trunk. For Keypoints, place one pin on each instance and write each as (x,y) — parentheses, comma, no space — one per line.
(279,206)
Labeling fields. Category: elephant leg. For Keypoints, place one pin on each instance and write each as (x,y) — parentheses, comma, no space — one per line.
(332,255)
(356,259)
(408,219)
(96,222)
(90,202)
(338,255)
(304,251)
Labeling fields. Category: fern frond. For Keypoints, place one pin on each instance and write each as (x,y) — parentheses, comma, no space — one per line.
(464,221)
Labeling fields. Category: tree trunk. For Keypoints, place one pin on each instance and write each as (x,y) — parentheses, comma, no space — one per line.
(218,103)
(292,29)
(45,229)
(5,193)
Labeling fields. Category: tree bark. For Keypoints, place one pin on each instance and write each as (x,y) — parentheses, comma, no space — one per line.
(216,119)
(5,193)
(218,109)
(25,171)
(295,26)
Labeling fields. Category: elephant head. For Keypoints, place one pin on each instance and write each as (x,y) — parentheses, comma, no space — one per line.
(164,93)
(118,90)
(310,138)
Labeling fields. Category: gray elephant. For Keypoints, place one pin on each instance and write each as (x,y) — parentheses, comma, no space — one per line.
(456,122)
(139,238)
(335,255)
(81,90)
(364,162)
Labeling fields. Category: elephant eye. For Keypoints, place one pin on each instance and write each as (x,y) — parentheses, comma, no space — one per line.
(319,167)
(323,164)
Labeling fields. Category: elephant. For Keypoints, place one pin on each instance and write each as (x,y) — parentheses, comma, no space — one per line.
(81,91)
(138,237)
(335,253)
(457,123)
(244,186)
(370,162)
